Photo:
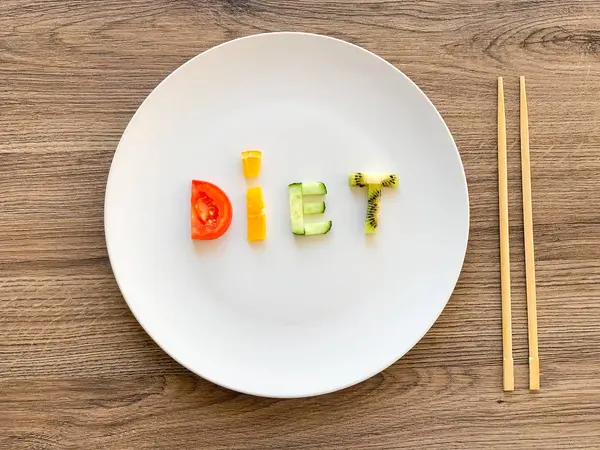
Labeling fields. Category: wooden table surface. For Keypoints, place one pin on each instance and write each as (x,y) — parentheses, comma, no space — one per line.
(76,369)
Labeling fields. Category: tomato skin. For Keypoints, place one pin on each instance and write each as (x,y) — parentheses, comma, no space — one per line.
(211,211)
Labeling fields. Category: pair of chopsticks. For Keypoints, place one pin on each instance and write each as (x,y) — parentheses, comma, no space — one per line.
(534,361)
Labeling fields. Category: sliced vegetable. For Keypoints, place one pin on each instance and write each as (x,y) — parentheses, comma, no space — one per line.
(257,221)
(251,162)
(313,207)
(254,200)
(257,227)
(312,229)
(313,188)
(296,209)
(211,211)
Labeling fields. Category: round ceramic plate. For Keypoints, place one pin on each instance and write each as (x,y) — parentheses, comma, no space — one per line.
(293,315)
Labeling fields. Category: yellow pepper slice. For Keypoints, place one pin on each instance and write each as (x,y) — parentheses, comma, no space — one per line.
(251,162)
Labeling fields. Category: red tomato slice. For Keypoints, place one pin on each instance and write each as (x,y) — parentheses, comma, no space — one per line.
(211,211)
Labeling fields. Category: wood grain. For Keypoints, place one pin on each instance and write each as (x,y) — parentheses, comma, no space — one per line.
(77,371)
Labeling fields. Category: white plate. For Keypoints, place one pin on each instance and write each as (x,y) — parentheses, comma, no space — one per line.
(293,316)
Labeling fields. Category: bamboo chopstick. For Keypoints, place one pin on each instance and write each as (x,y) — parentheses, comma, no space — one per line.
(534,360)
(508,365)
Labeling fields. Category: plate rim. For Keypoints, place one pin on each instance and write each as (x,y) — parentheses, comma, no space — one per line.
(275,35)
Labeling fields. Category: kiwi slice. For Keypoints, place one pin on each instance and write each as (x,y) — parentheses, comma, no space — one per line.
(357,179)
(372,220)
(390,180)
(361,179)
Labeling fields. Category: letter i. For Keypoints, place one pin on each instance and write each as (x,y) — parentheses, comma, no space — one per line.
(257,221)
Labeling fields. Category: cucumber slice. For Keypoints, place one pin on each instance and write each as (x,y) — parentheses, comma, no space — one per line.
(316,188)
(296,209)
(313,229)
(372,220)
(361,179)
(313,207)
